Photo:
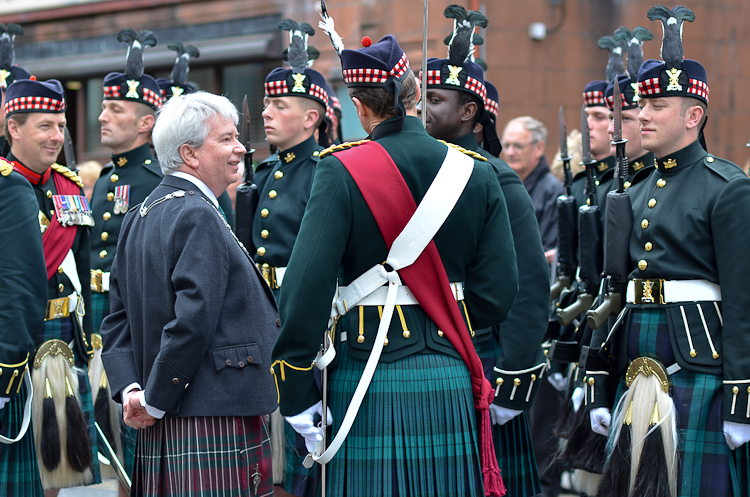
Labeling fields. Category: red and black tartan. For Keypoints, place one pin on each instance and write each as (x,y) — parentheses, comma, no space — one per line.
(204,456)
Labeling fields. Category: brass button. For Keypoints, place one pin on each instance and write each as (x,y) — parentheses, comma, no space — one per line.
(361,339)
(105,236)
(61,287)
(592,381)
(709,159)
(316,153)
(597,182)
(261,251)
(499,381)
(241,364)
(649,246)
(102,254)
(114,178)
(272,194)
(264,213)
(652,203)
(147,161)
(385,342)
(228,362)
(660,183)
(406,333)
(264,234)
(106,216)
(693,353)
(60,270)
(517,382)
(440,333)
(278,175)
(52,212)
(110,196)
(249,358)
(644,224)
(715,355)
(642,265)
(627,184)
(175,381)
(735,390)
(49,193)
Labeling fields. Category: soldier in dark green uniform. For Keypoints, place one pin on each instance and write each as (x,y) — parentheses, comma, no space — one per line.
(685,327)
(23,292)
(35,121)
(454,107)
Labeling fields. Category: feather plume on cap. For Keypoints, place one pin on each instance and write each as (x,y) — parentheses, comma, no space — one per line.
(7,50)
(328,26)
(181,67)
(296,54)
(462,41)
(634,47)
(137,41)
(672,21)
(616,63)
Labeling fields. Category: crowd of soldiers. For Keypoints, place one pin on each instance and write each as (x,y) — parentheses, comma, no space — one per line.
(644,319)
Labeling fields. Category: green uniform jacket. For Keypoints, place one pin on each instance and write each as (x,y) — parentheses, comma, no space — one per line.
(339,237)
(284,182)
(520,336)
(690,220)
(138,169)
(23,278)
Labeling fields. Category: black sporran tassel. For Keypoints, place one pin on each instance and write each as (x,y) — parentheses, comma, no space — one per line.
(102,414)
(78,444)
(652,478)
(616,475)
(585,449)
(51,453)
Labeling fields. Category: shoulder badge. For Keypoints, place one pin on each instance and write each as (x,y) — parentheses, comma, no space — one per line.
(5,167)
(68,174)
(470,153)
(338,148)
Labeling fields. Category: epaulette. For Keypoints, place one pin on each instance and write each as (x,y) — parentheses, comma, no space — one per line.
(68,174)
(470,153)
(5,167)
(338,148)
(724,168)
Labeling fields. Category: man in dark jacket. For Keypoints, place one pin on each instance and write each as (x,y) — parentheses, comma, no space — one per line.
(188,342)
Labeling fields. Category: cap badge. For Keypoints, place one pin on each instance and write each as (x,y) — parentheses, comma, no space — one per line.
(177,91)
(674,75)
(4,73)
(132,88)
(299,80)
(648,288)
(635,92)
(453,78)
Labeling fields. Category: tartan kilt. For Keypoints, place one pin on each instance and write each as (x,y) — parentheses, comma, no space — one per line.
(99,309)
(702,452)
(62,329)
(205,456)
(298,480)
(740,469)
(415,433)
(513,446)
(19,472)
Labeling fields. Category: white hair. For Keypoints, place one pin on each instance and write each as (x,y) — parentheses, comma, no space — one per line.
(184,120)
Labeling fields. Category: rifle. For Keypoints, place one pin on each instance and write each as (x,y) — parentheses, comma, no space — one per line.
(567,222)
(589,236)
(618,227)
(247,192)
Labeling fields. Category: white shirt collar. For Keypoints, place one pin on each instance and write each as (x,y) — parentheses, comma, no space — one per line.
(200,184)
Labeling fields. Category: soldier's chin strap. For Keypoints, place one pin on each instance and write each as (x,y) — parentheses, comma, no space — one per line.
(490,141)
(390,126)
(701,136)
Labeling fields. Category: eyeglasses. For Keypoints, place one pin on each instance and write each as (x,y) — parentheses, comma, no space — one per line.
(516,146)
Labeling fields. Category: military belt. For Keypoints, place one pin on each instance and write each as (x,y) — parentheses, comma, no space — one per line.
(61,308)
(659,291)
(404,296)
(99,281)
(272,275)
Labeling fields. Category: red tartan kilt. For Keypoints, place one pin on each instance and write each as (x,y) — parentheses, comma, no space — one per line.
(204,456)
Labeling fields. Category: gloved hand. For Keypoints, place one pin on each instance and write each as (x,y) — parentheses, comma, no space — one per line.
(577,398)
(558,381)
(304,425)
(3,401)
(736,434)
(501,415)
(600,420)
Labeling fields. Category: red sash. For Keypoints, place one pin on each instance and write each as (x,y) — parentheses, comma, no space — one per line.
(392,205)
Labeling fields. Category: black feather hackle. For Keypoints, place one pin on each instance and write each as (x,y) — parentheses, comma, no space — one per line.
(615,63)
(461,42)
(297,54)
(672,52)
(137,41)
(7,50)
(181,67)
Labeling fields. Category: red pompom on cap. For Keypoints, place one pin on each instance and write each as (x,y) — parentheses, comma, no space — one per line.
(366,41)
(32,78)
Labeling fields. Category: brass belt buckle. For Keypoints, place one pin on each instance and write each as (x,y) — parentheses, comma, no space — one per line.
(269,274)
(649,291)
(96,281)
(58,308)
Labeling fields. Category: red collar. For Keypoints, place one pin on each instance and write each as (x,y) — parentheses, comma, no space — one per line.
(34,178)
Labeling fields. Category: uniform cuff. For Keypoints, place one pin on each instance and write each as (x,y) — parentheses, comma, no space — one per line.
(11,377)
(736,404)
(517,389)
(296,387)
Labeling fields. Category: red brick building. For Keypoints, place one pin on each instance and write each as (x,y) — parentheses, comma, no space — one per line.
(240,43)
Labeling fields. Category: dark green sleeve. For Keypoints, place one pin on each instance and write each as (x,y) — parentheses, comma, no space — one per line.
(309,286)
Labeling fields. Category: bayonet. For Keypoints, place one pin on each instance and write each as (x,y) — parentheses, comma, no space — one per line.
(621,169)
(246,199)
(70,156)
(564,155)
(587,160)
(249,173)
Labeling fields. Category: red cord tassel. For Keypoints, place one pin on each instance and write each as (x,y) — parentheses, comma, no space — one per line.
(491,476)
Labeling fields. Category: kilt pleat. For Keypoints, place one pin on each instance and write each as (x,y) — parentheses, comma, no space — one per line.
(513,446)
(298,480)
(99,309)
(740,468)
(415,433)
(19,472)
(204,457)
(702,451)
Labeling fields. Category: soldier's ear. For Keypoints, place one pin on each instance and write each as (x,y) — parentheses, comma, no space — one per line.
(146,123)
(468,111)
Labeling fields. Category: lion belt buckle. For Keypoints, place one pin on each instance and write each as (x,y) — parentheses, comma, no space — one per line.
(649,291)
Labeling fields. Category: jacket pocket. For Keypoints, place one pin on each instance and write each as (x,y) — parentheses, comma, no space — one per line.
(696,330)
(237,356)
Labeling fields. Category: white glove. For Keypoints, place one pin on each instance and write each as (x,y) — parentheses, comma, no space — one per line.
(3,401)
(558,381)
(303,424)
(736,434)
(501,415)
(600,420)
(577,398)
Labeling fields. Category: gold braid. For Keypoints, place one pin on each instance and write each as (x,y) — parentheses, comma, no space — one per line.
(68,174)
(470,153)
(343,146)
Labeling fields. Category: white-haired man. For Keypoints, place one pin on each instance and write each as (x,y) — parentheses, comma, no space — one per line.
(188,342)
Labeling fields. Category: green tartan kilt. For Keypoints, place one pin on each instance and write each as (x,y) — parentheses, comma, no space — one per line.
(62,329)
(702,451)
(513,445)
(99,309)
(739,466)
(415,433)
(19,473)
